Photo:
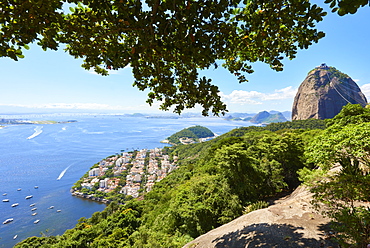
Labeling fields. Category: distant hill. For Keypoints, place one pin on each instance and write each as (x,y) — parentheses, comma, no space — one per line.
(261,117)
(190,135)
(242,115)
(286,114)
(266,117)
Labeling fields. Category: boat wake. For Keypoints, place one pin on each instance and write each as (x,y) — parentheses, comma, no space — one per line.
(38,131)
(62,173)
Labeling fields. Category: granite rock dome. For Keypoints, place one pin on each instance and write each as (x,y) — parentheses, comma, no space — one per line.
(324,92)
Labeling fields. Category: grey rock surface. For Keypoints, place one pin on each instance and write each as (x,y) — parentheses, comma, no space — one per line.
(324,92)
(289,222)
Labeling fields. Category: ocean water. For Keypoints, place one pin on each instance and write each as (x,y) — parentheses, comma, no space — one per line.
(38,155)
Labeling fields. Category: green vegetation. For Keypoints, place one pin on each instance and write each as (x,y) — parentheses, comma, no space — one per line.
(344,194)
(192,134)
(338,74)
(255,206)
(166,43)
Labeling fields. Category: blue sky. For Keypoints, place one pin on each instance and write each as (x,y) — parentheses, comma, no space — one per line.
(54,81)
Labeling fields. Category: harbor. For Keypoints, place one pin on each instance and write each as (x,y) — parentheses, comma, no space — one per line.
(27,163)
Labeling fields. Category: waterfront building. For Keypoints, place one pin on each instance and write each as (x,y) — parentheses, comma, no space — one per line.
(94,172)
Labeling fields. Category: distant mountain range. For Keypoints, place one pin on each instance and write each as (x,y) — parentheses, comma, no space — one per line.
(261,117)
(234,116)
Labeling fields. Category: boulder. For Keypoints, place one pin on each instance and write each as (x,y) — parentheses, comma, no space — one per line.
(324,92)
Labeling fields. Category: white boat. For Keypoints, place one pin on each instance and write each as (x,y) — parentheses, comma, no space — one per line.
(19,189)
(36,187)
(33,204)
(59,210)
(36,221)
(5,194)
(8,221)
(34,214)
(6,200)
(15,204)
(33,209)
(29,196)
(15,236)
(51,207)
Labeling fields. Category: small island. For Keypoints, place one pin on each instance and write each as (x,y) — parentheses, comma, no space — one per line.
(190,135)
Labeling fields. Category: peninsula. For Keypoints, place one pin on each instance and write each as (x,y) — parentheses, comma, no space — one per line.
(25,122)
(124,176)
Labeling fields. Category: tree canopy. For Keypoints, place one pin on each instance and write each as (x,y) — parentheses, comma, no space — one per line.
(167,43)
(344,194)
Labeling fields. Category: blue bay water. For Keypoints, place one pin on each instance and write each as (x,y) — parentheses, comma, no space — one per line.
(71,148)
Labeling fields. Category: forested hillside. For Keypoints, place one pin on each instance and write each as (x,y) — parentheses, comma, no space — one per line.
(216,181)
(192,133)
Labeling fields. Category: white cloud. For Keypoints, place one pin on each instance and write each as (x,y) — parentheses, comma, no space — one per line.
(96,106)
(255,97)
(85,107)
(356,80)
(365,89)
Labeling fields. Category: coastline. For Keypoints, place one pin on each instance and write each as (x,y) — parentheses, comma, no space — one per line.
(128,174)
(90,197)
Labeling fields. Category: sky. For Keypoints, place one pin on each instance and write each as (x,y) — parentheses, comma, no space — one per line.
(54,81)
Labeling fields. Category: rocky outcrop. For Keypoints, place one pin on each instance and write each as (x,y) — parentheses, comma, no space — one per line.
(289,222)
(323,94)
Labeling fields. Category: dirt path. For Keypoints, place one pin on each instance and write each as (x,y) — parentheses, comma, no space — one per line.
(290,222)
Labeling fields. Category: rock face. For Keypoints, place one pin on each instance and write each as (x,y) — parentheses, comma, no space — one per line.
(289,222)
(323,94)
